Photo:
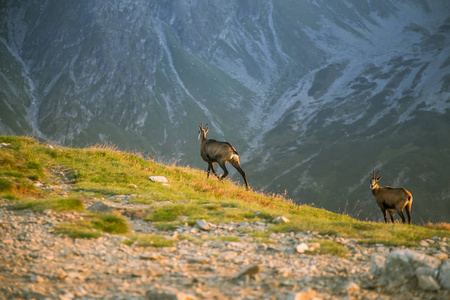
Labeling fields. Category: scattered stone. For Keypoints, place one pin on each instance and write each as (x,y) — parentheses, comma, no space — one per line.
(308,294)
(2,145)
(156,295)
(352,287)
(197,260)
(202,224)
(151,256)
(302,248)
(160,179)
(281,219)
(250,271)
(61,275)
(100,207)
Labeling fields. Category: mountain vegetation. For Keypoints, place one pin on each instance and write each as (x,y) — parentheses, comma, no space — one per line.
(42,177)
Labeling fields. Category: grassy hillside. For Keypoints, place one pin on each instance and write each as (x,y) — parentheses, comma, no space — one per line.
(37,176)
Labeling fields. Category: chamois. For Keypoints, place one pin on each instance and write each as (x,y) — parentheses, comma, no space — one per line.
(389,199)
(213,151)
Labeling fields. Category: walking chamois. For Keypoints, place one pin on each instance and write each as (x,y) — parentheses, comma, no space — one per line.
(213,151)
(389,199)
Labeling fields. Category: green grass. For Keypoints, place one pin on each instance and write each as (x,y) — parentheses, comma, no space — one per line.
(99,172)
(77,231)
(329,247)
(59,205)
(110,223)
(145,240)
(94,226)
(261,237)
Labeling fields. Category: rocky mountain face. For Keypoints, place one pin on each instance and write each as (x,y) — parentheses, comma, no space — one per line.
(313,94)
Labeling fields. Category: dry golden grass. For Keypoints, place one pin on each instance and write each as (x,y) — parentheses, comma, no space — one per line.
(438,226)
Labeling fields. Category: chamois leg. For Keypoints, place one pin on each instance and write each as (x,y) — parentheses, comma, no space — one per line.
(237,166)
(392,215)
(408,212)
(211,168)
(384,211)
(400,213)
(225,171)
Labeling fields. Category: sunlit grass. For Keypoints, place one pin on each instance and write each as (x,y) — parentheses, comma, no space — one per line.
(329,247)
(103,171)
(94,225)
(147,240)
(59,205)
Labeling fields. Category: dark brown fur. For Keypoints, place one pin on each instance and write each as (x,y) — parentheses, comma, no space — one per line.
(213,151)
(389,199)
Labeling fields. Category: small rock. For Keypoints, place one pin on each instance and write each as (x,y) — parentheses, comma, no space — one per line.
(281,219)
(100,207)
(2,145)
(250,271)
(202,224)
(175,295)
(303,295)
(351,287)
(427,283)
(37,279)
(424,244)
(302,248)
(62,274)
(197,260)
(440,255)
(160,179)
(150,256)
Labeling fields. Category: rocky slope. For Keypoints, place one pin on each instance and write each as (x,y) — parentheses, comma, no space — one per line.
(313,94)
(38,264)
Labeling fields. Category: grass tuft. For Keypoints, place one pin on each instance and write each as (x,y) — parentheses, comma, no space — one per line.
(110,223)
(330,247)
(59,205)
(77,231)
(438,226)
(145,240)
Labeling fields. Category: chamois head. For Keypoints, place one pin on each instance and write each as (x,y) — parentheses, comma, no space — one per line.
(374,179)
(202,132)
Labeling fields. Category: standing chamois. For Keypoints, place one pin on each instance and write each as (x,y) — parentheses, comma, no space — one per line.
(389,199)
(213,151)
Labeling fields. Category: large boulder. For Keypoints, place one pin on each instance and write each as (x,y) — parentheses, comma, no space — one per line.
(400,265)
(403,267)
(444,274)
